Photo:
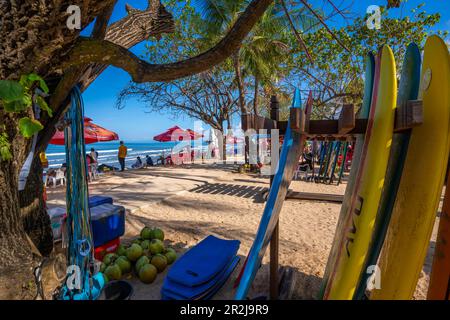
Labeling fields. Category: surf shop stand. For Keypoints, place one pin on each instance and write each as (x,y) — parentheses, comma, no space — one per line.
(296,131)
(81,283)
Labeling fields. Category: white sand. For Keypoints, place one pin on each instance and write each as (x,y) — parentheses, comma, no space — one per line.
(191,202)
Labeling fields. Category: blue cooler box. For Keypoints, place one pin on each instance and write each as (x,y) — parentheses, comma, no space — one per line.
(98,200)
(108,223)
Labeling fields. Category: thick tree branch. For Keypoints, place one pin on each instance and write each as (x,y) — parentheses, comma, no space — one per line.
(105,52)
(135,27)
(307,5)
(294,29)
(101,24)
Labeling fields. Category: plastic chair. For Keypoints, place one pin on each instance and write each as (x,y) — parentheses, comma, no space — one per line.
(58,177)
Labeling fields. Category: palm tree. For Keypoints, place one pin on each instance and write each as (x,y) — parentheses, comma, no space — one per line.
(262,54)
(220,17)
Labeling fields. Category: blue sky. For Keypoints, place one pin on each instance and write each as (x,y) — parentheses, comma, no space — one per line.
(134,123)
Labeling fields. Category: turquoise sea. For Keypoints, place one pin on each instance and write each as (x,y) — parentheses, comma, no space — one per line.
(107,152)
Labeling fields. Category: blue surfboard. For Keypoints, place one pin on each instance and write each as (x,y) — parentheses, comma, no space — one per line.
(290,155)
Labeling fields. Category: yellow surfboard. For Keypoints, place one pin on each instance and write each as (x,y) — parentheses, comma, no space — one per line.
(368,192)
(421,184)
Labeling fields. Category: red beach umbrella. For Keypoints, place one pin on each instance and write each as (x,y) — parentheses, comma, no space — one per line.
(167,135)
(92,133)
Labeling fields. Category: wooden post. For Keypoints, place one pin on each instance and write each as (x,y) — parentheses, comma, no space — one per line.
(274,241)
(274,115)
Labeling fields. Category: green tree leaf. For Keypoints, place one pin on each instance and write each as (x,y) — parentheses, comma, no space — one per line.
(10,91)
(28,80)
(28,127)
(19,105)
(44,106)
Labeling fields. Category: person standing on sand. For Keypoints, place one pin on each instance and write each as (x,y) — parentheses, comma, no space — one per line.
(122,155)
(94,164)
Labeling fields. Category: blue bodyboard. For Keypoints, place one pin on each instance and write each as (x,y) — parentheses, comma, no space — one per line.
(290,155)
(203,262)
(173,290)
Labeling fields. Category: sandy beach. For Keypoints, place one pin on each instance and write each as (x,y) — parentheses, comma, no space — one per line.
(191,202)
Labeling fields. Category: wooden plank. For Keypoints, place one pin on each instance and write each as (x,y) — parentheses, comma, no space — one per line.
(293,195)
(275,239)
(274,251)
(408,115)
(297,117)
(331,128)
(264,123)
(346,121)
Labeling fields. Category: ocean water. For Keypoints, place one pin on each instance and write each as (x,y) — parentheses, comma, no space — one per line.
(107,152)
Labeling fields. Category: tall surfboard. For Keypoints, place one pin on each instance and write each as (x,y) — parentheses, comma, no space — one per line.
(343,162)
(291,151)
(327,161)
(369,185)
(408,90)
(439,287)
(370,77)
(419,192)
(336,156)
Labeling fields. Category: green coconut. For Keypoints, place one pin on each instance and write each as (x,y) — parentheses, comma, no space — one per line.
(141,261)
(148,273)
(146,233)
(158,234)
(113,272)
(121,250)
(156,246)
(145,244)
(124,264)
(160,262)
(171,256)
(109,258)
(134,252)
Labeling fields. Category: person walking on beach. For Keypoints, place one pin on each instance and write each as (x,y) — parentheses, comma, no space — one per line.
(94,164)
(122,155)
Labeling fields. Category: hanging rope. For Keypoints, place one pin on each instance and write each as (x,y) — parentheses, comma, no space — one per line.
(81,284)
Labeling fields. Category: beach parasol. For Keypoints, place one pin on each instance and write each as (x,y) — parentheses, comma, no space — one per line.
(167,135)
(92,133)
(178,134)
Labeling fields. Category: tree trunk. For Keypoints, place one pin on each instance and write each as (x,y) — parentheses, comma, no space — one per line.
(130,30)
(224,148)
(35,219)
(242,105)
(16,258)
(240,83)
(255,95)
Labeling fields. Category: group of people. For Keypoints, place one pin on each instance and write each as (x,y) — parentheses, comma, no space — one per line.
(123,150)
(93,165)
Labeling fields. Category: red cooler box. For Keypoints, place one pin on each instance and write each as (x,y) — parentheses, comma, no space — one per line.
(108,223)
(108,247)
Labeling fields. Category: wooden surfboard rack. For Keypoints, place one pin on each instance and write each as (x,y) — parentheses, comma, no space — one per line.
(407,116)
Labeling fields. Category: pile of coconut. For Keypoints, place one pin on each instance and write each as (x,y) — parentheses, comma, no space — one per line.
(145,257)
